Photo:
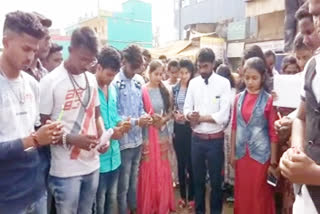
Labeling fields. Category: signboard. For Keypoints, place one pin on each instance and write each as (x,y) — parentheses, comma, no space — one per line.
(235,50)
(276,46)
(218,45)
(237,30)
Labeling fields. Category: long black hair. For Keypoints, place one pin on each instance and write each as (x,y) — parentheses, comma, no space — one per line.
(225,71)
(187,64)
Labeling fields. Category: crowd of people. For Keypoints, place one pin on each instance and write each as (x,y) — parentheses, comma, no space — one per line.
(110,131)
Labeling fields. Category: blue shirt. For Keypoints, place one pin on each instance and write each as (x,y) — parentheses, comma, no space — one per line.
(111,160)
(129,102)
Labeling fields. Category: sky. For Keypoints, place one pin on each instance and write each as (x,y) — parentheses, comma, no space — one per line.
(64,13)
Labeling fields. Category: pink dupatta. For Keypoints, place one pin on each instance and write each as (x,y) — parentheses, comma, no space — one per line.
(155,191)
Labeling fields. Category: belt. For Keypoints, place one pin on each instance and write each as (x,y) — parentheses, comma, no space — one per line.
(209,136)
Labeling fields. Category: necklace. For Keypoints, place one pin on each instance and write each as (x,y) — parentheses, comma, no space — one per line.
(21,96)
(87,87)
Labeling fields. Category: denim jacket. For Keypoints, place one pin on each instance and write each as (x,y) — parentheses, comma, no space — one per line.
(255,132)
(129,104)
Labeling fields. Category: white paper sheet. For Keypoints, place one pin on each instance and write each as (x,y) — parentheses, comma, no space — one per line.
(288,90)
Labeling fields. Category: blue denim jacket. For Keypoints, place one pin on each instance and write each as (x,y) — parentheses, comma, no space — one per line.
(255,132)
(130,104)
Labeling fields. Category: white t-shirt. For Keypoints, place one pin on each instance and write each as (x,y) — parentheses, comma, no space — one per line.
(57,91)
(18,119)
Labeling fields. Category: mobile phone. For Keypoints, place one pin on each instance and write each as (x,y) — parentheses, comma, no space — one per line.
(272,180)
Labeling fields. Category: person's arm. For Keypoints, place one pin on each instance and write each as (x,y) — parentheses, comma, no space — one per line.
(10,150)
(233,133)
(189,102)
(299,168)
(298,128)
(220,117)
(99,122)
(271,116)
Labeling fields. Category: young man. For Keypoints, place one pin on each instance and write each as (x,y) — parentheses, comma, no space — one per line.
(207,107)
(36,68)
(307,28)
(302,52)
(54,57)
(130,105)
(173,71)
(271,61)
(305,156)
(109,61)
(70,94)
(22,178)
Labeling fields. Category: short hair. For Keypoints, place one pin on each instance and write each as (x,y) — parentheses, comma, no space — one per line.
(109,58)
(269,53)
(302,13)
(55,48)
(289,60)
(217,64)
(86,38)
(161,57)
(43,20)
(206,55)
(133,55)
(298,43)
(146,53)
(21,22)
(173,63)
(225,71)
(253,51)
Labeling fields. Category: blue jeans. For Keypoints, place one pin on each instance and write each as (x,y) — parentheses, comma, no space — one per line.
(128,177)
(106,202)
(212,152)
(74,195)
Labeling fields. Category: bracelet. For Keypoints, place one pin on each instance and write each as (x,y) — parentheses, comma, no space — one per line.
(64,140)
(35,139)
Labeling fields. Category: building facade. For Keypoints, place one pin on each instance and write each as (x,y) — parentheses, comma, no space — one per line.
(132,25)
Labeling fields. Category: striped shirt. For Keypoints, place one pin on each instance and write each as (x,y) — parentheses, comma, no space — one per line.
(181,98)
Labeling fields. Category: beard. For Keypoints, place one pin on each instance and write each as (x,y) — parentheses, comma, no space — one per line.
(205,75)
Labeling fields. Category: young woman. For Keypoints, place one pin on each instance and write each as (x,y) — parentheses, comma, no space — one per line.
(182,132)
(224,70)
(254,143)
(290,65)
(155,190)
(255,51)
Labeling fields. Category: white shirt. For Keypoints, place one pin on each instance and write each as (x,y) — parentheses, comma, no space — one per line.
(18,119)
(57,92)
(316,79)
(213,99)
